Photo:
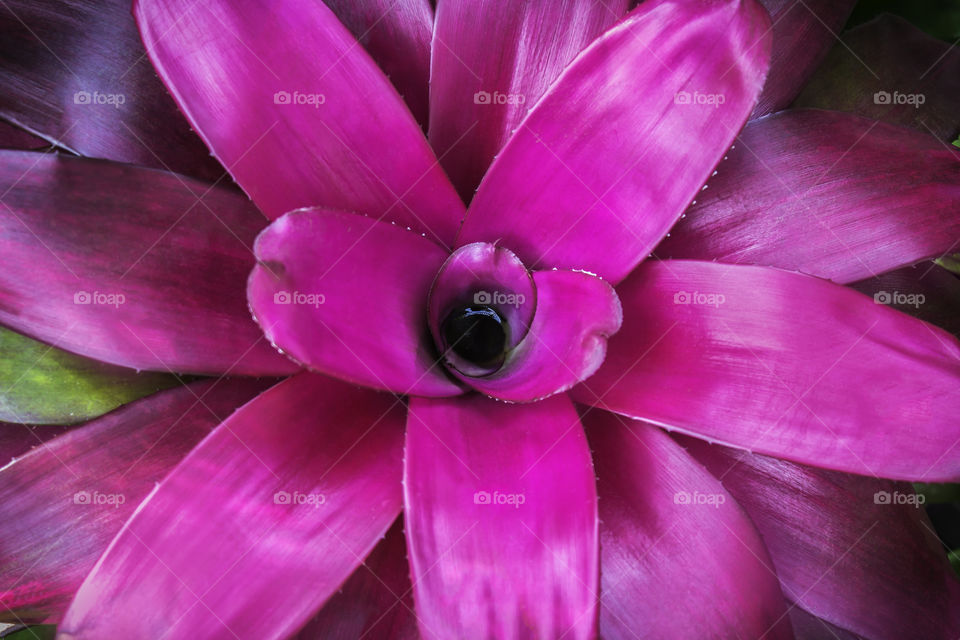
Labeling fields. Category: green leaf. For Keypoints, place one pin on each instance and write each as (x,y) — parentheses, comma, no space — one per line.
(35,632)
(939,18)
(938,493)
(40,384)
(956,142)
(950,262)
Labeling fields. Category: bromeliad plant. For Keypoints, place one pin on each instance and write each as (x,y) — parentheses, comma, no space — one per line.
(491,369)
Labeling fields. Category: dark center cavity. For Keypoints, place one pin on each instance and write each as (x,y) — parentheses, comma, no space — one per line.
(477,333)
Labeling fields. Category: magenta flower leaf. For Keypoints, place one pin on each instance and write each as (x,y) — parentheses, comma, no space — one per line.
(551,199)
(298,124)
(825,193)
(321,297)
(12,137)
(807,625)
(284,519)
(76,75)
(926,291)
(478,100)
(803,33)
(746,356)
(500,501)
(892,72)
(130,266)
(375,603)
(64,501)
(396,34)
(17,439)
(679,557)
(449,205)
(844,546)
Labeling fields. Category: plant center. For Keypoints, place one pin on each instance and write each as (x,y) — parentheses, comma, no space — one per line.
(477,333)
